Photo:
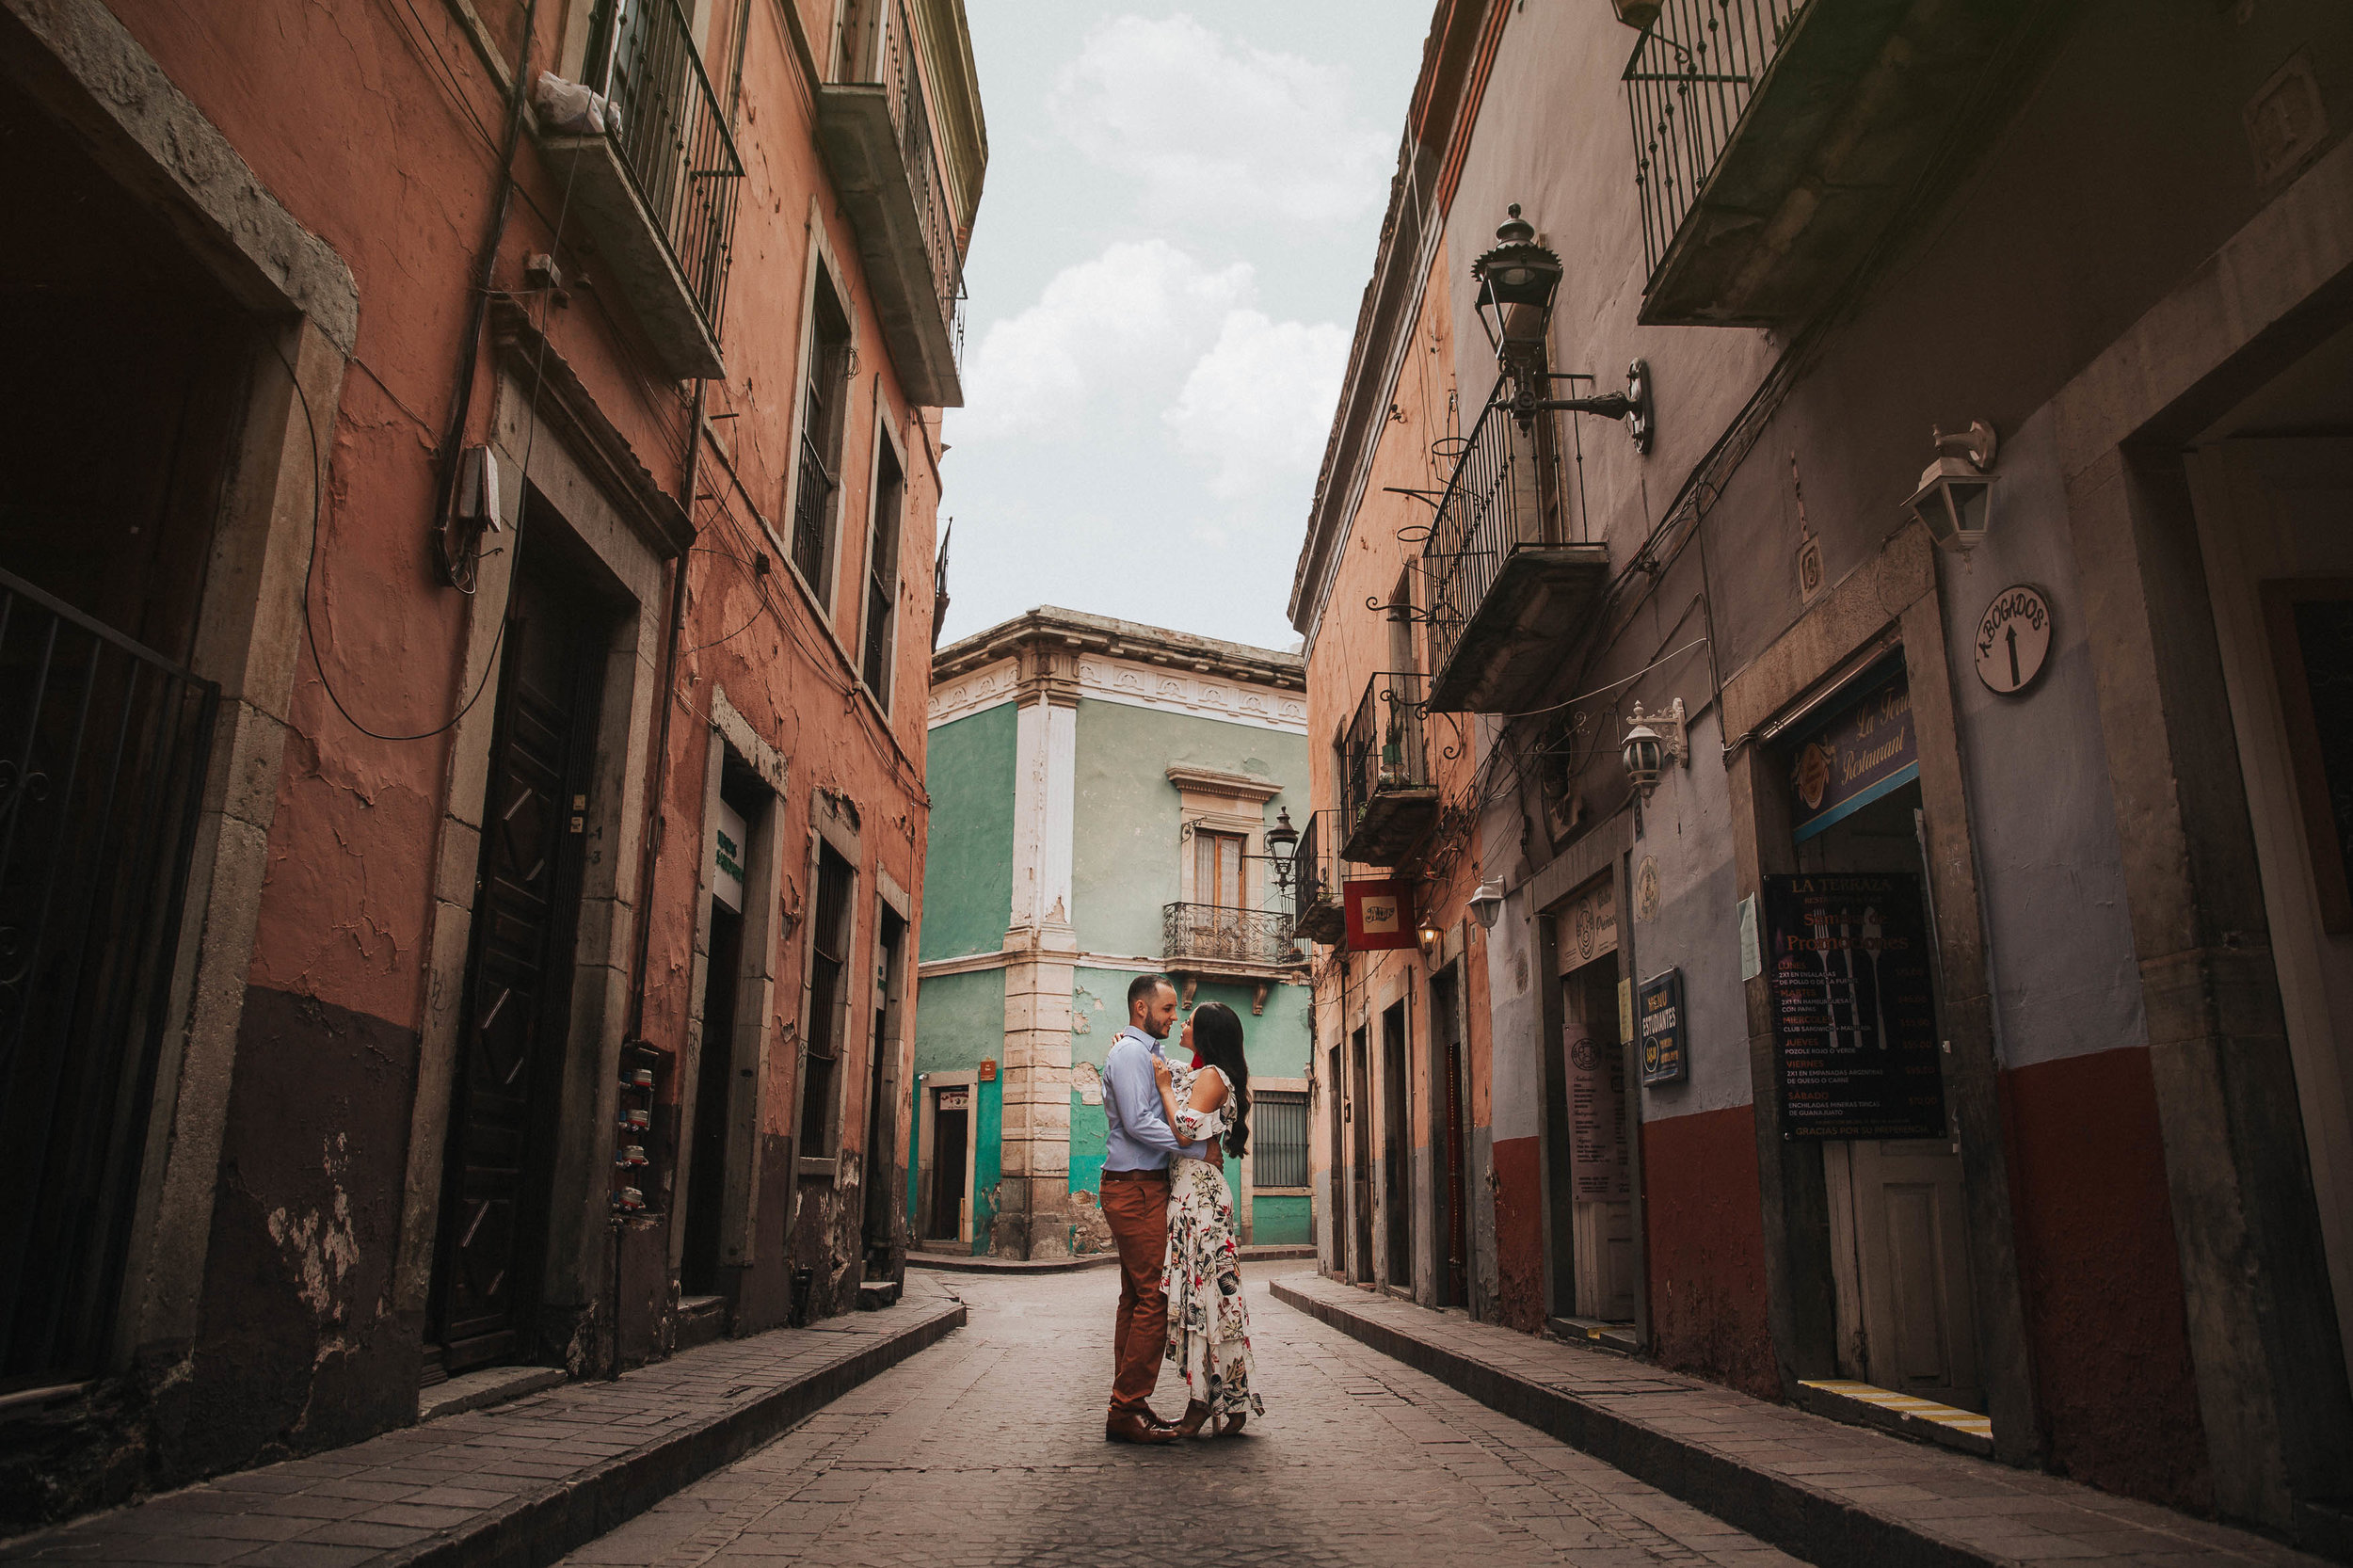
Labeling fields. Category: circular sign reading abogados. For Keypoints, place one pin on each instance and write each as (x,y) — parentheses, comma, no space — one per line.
(2014,639)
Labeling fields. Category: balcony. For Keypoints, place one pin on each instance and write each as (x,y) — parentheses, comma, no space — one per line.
(1210,942)
(1774,141)
(1390,803)
(657,196)
(876,139)
(1507,587)
(1317,912)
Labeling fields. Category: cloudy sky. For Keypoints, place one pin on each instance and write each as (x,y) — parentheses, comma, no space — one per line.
(1180,219)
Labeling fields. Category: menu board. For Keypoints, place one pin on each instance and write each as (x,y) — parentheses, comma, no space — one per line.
(1854,1014)
(1597,1154)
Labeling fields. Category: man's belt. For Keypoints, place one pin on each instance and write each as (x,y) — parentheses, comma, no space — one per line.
(1161,1174)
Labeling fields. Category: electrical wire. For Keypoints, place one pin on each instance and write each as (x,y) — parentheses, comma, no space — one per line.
(310,568)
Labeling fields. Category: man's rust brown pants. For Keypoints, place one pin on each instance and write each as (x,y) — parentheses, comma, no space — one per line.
(1135,1204)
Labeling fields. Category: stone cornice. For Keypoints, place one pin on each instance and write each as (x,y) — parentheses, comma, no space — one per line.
(1214,781)
(1057,656)
(1082,633)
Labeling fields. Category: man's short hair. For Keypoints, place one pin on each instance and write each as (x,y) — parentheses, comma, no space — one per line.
(1142,987)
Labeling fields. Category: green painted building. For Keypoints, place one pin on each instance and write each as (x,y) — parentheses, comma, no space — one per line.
(1101,796)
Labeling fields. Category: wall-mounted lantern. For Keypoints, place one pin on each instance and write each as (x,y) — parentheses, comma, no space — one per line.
(1516,283)
(1282,849)
(1486,904)
(1955,500)
(1652,741)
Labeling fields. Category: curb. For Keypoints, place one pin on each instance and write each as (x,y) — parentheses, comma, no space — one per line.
(1811,1525)
(535,1531)
(951,1265)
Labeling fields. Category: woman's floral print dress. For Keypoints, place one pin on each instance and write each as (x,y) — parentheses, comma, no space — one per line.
(1209,1328)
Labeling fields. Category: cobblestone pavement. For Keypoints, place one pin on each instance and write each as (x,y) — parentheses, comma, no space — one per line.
(988,1449)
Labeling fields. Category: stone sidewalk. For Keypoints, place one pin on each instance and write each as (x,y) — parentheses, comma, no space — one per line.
(1838,1495)
(520,1483)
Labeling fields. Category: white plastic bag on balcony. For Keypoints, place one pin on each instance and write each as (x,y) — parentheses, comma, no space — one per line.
(570,108)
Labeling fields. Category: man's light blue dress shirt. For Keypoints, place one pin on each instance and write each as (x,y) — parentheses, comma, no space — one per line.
(1139,1139)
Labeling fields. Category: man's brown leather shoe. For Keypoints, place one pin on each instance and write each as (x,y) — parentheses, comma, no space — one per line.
(1133,1428)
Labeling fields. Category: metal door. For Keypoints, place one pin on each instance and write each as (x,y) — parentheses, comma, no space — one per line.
(496,1193)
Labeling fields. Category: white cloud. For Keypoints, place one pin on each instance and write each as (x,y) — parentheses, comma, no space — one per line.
(1117,328)
(1259,405)
(1219,131)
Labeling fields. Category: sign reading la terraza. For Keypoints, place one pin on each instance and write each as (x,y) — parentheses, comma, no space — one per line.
(1854,1018)
(1658,1017)
(1862,751)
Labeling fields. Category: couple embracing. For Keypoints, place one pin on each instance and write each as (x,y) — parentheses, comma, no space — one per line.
(1172,1216)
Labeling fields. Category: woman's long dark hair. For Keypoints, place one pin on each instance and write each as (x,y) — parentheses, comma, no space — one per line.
(1217,1040)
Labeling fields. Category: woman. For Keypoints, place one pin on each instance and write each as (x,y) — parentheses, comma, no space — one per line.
(1209,1328)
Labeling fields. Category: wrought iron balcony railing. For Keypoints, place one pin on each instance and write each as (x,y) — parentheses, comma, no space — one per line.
(1390,801)
(1506,580)
(659,192)
(1316,911)
(1687,86)
(674,138)
(933,212)
(874,127)
(1206,936)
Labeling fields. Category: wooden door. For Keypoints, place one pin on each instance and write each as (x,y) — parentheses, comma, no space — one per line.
(1447,1137)
(1360,1159)
(2275,521)
(1903,1212)
(496,1193)
(1599,1172)
(1397,1145)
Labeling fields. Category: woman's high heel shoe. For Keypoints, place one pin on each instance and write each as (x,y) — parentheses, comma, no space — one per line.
(1190,1423)
(1232,1425)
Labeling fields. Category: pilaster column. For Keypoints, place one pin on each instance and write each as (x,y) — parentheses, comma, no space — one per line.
(1033,1199)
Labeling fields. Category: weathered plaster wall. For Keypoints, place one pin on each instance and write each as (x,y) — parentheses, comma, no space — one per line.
(1125,854)
(967,874)
(366,127)
(959,1020)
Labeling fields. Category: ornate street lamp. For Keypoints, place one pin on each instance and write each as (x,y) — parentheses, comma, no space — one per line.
(1282,849)
(1517,280)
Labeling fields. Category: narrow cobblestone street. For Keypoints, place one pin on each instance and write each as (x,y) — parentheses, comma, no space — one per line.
(988,1449)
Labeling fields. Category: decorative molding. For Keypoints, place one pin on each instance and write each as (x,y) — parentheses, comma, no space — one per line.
(1136,684)
(966,694)
(1206,696)
(1230,786)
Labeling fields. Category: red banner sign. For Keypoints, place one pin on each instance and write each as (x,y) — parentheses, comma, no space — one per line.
(1380,914)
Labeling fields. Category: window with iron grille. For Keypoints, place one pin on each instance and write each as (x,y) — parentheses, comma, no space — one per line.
(828,1003)
(824,406)
(882,577)
(1278,1138)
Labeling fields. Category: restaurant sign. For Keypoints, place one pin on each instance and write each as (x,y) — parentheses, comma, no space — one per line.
(1659,1014)
(1862,750)
(1380,914)
(1854,1017)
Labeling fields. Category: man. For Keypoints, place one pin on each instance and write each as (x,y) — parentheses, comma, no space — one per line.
(1136,1155)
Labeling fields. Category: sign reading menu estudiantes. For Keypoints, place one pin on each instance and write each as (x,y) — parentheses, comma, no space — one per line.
(1854,1018)
(1859,753)
(1658,1012)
